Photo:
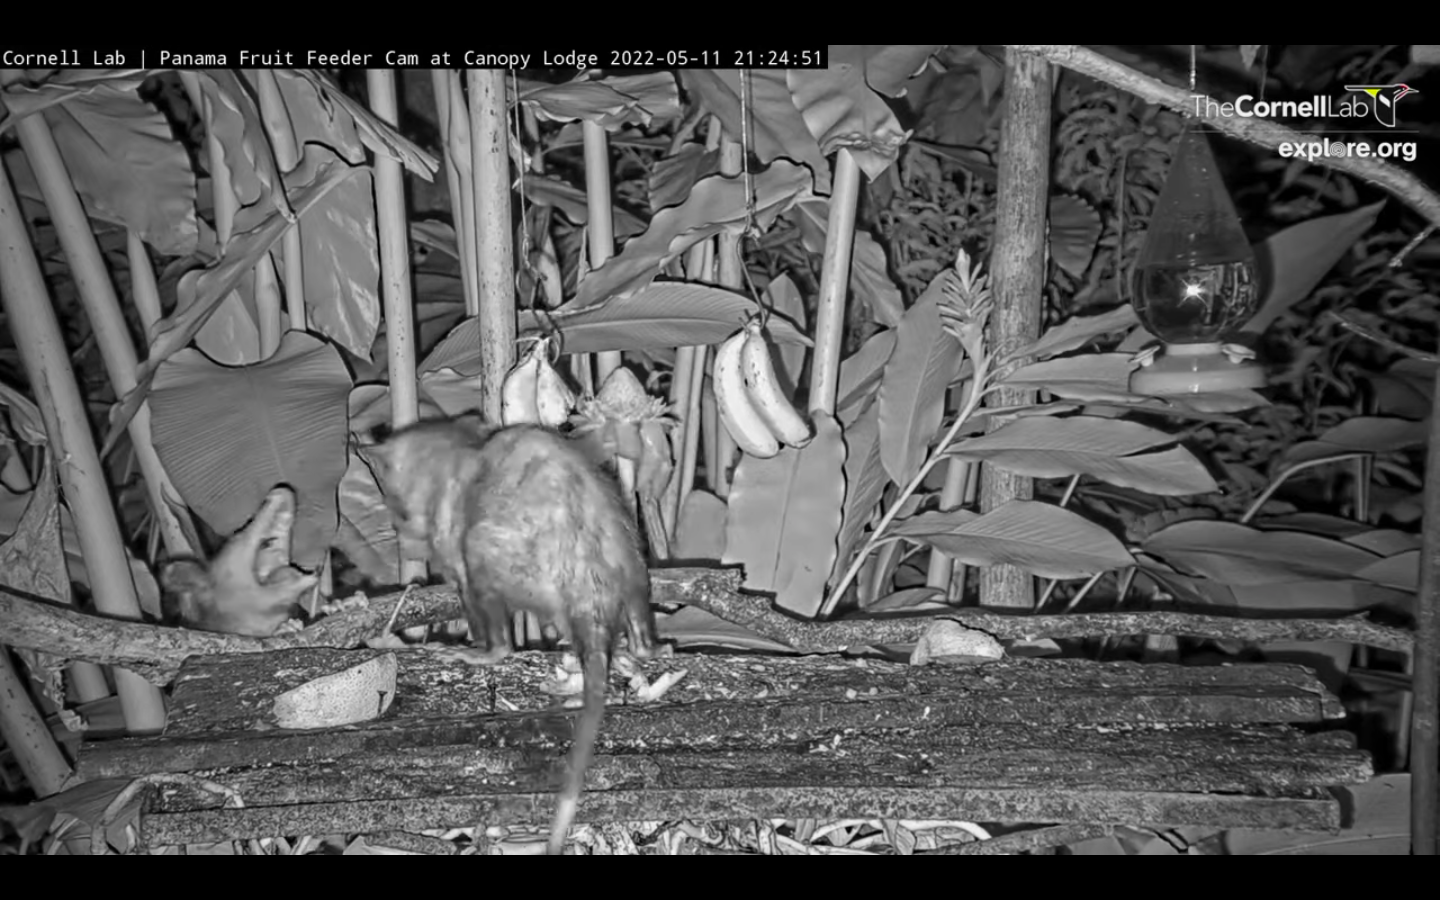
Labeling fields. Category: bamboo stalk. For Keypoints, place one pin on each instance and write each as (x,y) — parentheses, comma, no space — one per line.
(47,366)
(495,254)
(395,281)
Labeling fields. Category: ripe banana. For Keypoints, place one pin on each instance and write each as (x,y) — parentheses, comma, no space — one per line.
(769,400)
(553,400)
(739,414)
(517,394)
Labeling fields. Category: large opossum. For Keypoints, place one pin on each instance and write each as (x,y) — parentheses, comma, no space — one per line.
(250,587)
(522,519)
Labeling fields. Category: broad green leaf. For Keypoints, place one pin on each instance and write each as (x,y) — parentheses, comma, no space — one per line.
(227,436)
(1362,434)
(1074,228)
(1075,333)
(1386,541)
(912,390)
(202,290)
(367,532)
(611,102)
(121,154)
(700,534)
(865,482)
(776,127)
(1238,555)
(1401,571)
(1092,377)
(1048,447)
(715,205)
(664,315)
(861,370)
(342,265)
(788,305)
(1298,257)
(573,203)
(1319,598)
(1318,523)
(784,518)
(1405,389)
(1043,539)
(841,105)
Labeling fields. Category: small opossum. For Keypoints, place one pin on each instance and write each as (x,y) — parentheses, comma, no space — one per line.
(522,519)
(250,587)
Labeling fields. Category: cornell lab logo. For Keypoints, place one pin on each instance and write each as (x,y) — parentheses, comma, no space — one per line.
(1385,97)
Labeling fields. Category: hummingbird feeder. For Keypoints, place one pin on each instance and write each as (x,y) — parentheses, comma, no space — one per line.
(1195,282)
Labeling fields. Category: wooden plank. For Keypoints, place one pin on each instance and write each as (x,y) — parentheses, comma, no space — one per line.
(1255,759)
(226,693)
(221,706)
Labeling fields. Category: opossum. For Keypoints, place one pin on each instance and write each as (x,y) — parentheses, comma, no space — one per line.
(250,587)
(522,518)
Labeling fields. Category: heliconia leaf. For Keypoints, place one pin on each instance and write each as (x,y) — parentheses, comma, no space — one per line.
(1094,377)
(572,202)
(912,390)
(1075,333)
(1401,571)
(1385,541)
(861,370)
(1321,524)
(454,393)
(788,305)
(1317,598)
(784,518)
(613,101)
(1362,434)
(1404,389)
(367,532)
(700,533)
(1237,554)
(865,482)
(1040,538)
(666,314)
(1048,447)
(717,204)
(1298,257)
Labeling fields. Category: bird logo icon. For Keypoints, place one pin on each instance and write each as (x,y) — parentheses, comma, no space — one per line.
(1386,96)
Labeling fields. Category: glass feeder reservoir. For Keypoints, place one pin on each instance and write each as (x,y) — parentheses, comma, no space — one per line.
(1195,282)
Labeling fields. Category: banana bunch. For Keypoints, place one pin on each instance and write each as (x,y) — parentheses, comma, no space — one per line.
(752,406)
(535,392)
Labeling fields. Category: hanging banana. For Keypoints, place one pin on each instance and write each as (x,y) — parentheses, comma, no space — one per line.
(739,414)
(553,399)
(769,400)
(517,394)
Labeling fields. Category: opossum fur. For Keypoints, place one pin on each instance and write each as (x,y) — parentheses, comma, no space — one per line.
(522,518)
(250,587)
